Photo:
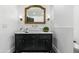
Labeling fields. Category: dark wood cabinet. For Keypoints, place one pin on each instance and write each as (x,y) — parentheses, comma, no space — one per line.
(33,42)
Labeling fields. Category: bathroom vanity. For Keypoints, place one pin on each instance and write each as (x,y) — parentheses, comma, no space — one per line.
(33,42)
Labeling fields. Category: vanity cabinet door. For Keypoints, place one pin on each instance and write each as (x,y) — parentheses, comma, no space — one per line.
(47,40)
(30,41)
(18,42)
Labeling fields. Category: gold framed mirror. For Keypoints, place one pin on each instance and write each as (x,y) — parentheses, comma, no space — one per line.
(35,14)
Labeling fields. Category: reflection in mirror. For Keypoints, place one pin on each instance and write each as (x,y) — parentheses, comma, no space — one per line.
(35,14)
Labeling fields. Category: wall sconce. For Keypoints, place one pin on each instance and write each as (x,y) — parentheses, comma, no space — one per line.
(48,17)
(20,18)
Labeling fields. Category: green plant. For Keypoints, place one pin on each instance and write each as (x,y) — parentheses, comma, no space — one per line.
(45,29)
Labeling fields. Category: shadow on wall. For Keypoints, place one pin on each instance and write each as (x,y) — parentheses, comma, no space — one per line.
(55,41)
(12,44)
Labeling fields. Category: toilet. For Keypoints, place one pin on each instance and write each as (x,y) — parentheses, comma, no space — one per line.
(76,47)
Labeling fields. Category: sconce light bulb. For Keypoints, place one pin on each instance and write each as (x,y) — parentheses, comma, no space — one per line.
(20,16)
(48,16)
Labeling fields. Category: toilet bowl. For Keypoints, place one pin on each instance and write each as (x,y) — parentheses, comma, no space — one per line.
(76,47)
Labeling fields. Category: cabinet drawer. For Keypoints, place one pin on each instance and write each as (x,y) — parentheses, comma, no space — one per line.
(45,36)
(31,36)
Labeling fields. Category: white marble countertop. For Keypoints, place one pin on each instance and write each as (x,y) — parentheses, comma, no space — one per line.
(34,33)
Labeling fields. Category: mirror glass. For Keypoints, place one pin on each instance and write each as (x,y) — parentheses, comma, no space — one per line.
(35,14)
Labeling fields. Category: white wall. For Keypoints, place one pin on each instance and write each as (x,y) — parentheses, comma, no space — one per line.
(63,26)
(8,25)
(76,23)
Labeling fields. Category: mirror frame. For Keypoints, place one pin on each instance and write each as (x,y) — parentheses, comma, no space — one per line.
(38,6)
